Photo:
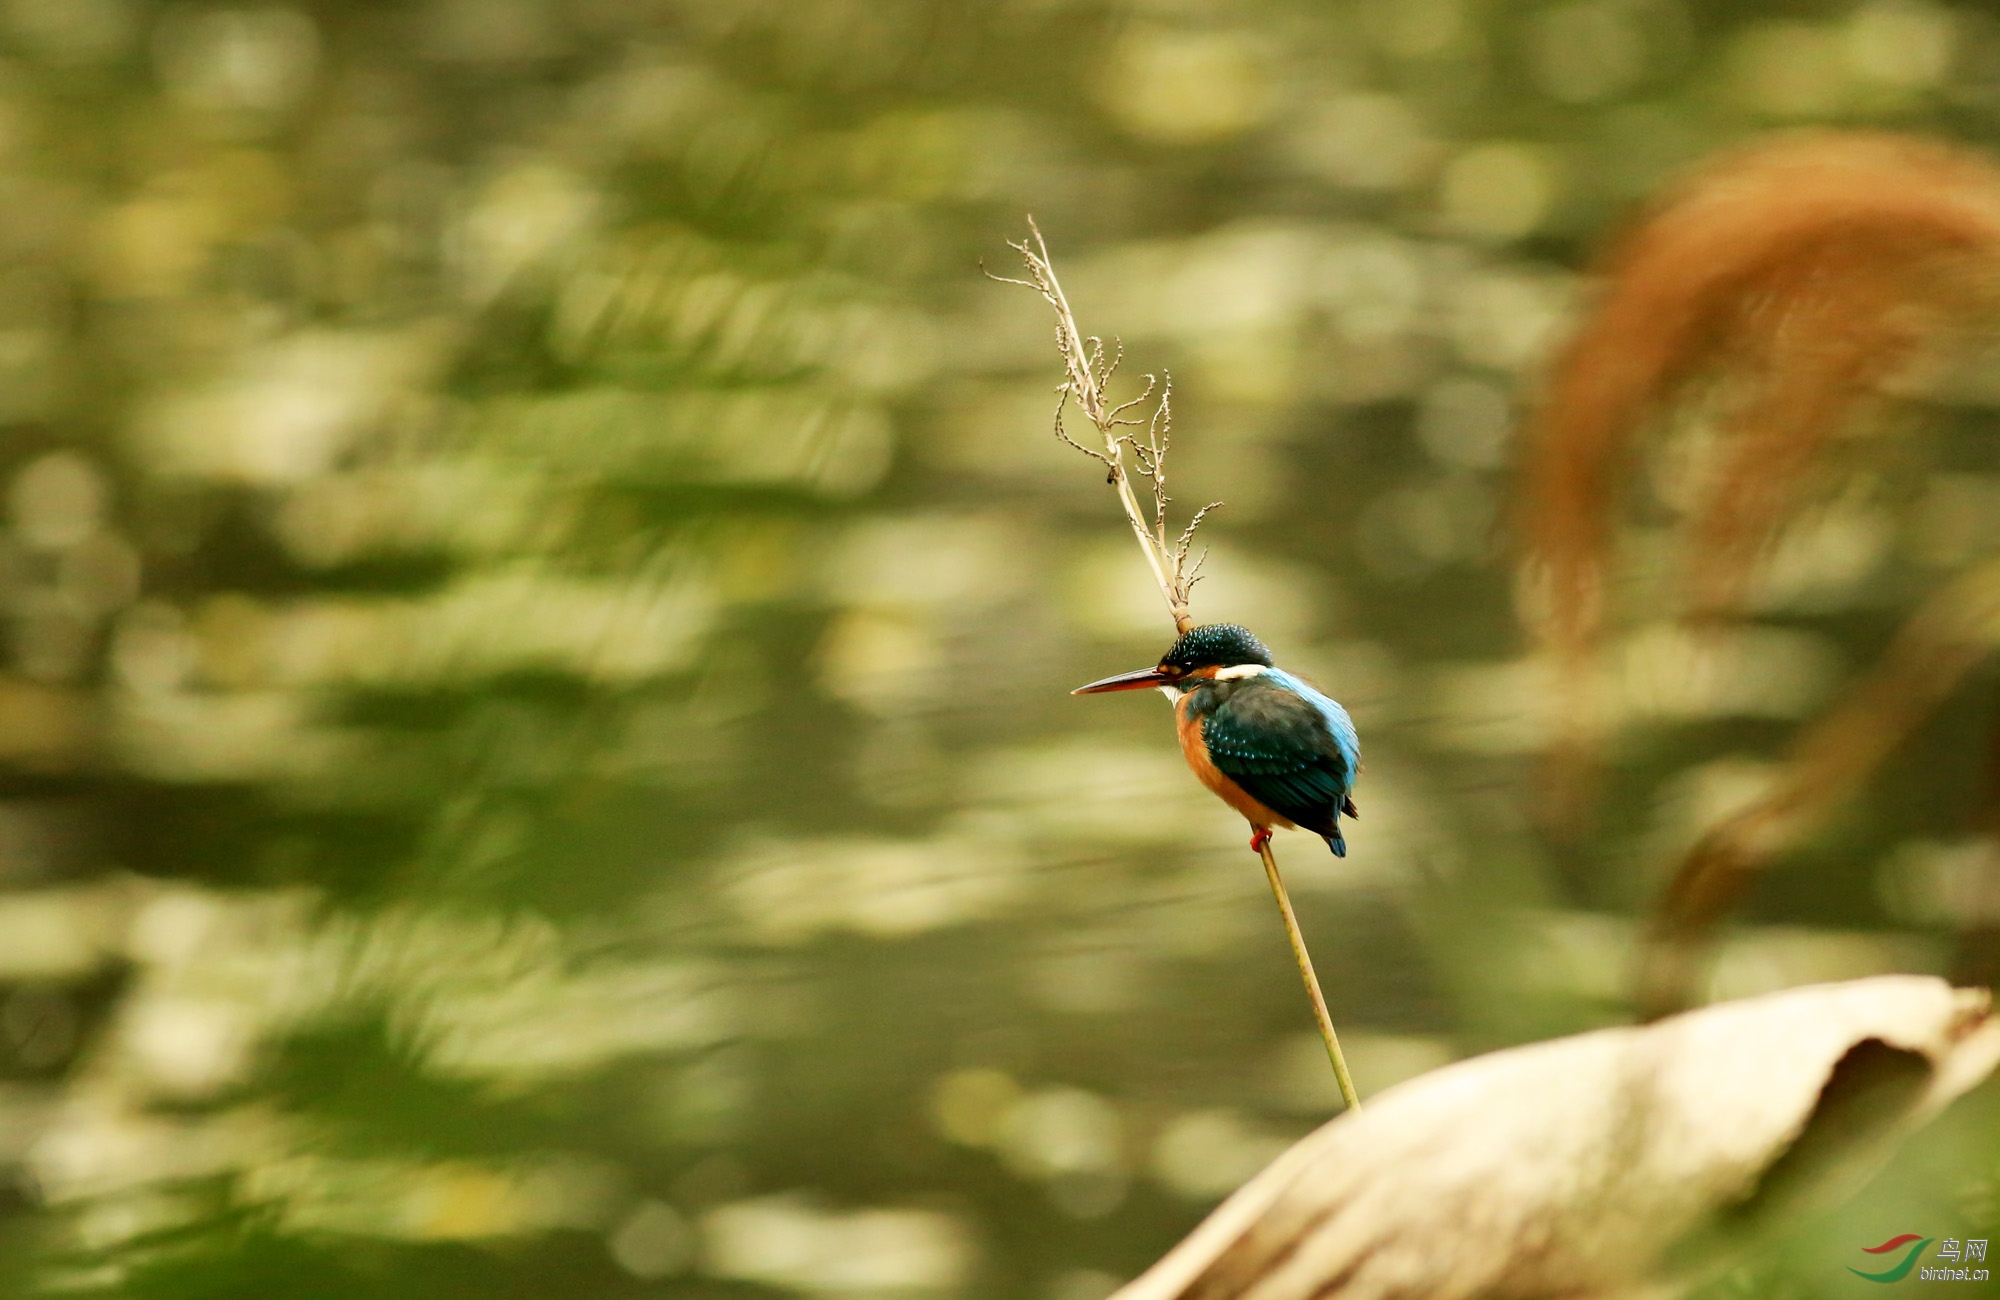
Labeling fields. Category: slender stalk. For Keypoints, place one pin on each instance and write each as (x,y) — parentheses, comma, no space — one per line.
(1177,609)
(1087,372)
(1346,1080)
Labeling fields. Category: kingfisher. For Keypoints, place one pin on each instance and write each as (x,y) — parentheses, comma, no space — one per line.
(1269,744)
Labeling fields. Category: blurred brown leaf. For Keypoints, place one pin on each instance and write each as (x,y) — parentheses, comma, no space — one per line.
(1621,1163)
(1783,284)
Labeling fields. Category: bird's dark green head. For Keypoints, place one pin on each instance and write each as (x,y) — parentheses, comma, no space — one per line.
(1216,645)
(1202,652)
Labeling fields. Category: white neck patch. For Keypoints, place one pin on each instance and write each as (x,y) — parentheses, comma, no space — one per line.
(1240,671)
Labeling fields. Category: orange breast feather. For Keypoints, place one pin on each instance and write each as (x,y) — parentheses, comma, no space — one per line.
(1189,728)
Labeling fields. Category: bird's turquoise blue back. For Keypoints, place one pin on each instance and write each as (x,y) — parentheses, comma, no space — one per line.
(1336,717)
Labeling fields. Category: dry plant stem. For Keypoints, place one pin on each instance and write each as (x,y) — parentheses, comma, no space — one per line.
(1087,371)
(1347,1092)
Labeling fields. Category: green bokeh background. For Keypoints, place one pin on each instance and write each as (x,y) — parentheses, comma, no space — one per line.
(539,599)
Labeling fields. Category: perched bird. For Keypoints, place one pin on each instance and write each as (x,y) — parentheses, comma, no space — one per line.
(1271,746)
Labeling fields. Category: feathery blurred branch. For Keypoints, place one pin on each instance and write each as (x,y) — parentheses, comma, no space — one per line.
(1787,281)
(1782,285)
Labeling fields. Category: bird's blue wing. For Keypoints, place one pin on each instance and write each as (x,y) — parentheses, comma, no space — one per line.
(1289,747)
(1338,724)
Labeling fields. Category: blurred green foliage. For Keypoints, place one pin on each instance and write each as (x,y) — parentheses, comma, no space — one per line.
(539,596)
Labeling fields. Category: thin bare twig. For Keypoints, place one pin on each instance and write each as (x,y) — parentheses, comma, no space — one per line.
(1087,372)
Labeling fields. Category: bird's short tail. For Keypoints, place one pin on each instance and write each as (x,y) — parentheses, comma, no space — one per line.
(1338,844)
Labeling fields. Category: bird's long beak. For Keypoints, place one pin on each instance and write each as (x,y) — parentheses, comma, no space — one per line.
(1132,681)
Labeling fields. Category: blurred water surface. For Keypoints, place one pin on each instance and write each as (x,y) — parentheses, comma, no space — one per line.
(539,599)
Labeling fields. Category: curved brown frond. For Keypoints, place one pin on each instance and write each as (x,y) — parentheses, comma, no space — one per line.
(1787,280)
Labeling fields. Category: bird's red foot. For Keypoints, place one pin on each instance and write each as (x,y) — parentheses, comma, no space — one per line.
(1260,839)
